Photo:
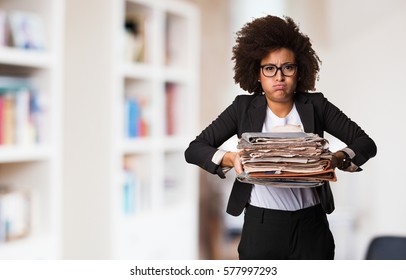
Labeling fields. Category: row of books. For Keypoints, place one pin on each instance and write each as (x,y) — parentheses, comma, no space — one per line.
(14,214)
(135,193)
(136,117)
(21,112)
(21,29)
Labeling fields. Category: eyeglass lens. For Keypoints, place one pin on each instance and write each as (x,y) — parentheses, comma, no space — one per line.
(270,70)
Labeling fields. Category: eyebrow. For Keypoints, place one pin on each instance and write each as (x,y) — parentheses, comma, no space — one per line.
(285,63)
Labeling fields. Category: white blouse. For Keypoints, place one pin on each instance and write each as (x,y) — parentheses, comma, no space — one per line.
(283,198)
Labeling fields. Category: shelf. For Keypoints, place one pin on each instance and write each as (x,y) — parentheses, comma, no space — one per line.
(157,227)
(148,144)
(131,223)
(133,146)
(30,154)
(166,83)
(165,73)
(26,153)
(176,143)
(178,75)
(139,145)
(138,70)
(25,58)
(33,247)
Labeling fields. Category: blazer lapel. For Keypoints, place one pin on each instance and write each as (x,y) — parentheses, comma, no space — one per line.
(257,113)
(306,113)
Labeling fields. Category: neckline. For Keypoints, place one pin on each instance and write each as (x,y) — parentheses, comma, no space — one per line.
(283,118)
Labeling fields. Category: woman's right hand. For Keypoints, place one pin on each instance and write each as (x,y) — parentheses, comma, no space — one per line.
(232,159)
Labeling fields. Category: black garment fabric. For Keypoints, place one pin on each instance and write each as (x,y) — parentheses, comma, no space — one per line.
(286,235)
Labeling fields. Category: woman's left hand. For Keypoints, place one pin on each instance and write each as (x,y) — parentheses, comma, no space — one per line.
(337,160)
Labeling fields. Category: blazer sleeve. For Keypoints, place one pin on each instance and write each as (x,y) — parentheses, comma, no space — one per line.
(339,125)
(201,150)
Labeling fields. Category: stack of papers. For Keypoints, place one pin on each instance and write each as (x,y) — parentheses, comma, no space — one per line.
(288,159)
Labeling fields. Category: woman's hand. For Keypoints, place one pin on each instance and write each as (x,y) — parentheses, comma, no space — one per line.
(337,160)
(232,159)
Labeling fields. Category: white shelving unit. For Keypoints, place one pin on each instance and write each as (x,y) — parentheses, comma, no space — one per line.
(161,218)
(164,222)
(36,167)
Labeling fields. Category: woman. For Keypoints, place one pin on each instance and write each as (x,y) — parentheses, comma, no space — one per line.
(276,63)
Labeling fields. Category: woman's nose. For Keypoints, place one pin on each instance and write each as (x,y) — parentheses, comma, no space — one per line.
(279,75)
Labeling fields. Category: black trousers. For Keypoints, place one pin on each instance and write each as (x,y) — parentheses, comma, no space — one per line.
(282,235)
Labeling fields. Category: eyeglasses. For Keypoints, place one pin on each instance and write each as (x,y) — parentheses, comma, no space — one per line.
(270,70)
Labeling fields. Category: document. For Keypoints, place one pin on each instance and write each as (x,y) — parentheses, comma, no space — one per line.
(286,159)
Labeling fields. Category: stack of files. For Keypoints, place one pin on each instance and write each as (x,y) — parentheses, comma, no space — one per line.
(288,159)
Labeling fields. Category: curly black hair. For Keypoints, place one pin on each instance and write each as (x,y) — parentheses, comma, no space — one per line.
(262,35)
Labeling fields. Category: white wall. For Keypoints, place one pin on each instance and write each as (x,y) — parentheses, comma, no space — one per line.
(87,130)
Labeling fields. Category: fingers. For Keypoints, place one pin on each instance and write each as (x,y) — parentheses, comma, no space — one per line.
(333,162)
(237,164)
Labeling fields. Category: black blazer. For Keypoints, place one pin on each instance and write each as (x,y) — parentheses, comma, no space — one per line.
(247,114)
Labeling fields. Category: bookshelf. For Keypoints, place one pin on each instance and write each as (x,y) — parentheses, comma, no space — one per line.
(163,223)
(144,197)
(30,129)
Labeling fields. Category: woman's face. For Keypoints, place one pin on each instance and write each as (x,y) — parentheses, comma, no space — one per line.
(281,87)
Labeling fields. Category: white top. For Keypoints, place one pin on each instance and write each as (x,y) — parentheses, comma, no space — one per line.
(283,198)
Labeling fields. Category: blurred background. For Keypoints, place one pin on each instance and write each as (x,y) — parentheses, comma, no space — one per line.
(99,100)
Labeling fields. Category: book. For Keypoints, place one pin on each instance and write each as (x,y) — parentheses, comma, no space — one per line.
(134,38)
(8,119)
(171,110)
(136,117)
(21,112)
(1,120)
(15,222)
(22,117)
(129,191)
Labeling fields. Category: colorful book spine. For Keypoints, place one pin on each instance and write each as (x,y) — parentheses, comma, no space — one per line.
(9,119)
(171,91)
(136,124)
(37,113)
(2,137)
(129,190)
(21,113)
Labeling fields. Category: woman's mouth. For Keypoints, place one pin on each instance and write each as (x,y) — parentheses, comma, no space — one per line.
(279,86)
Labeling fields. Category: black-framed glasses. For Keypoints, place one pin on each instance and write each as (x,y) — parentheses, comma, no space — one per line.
(270,70)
